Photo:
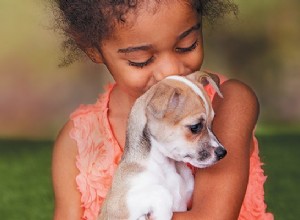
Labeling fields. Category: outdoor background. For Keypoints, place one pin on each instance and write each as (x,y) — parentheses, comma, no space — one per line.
(261,47)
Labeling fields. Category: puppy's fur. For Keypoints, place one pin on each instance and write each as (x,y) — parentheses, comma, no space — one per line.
(169,126)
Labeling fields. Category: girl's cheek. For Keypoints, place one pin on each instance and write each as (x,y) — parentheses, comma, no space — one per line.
(199,58)
(139,78)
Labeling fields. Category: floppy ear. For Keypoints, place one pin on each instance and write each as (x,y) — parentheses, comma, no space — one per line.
(206,78)
(164,98)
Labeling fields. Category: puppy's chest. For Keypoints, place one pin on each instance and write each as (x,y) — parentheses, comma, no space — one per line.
(170,178)
(178,182)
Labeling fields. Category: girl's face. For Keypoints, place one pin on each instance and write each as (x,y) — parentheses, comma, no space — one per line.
(156,45)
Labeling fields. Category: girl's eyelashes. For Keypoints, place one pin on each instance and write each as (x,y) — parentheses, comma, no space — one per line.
(187,49)
(141,64)
(151,59)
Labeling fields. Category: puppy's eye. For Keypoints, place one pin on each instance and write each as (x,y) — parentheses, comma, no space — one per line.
(195,129)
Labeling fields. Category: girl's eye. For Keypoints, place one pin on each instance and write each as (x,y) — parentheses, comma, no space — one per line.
(141,64)
(197,128)
(187,49)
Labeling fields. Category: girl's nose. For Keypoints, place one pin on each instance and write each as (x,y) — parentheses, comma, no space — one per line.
(169,65)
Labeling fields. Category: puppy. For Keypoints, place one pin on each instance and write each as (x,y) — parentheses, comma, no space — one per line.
(169,126)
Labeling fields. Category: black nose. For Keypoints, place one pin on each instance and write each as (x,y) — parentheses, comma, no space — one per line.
(220,152)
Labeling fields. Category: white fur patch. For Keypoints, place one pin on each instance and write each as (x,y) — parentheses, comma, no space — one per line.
(164,186)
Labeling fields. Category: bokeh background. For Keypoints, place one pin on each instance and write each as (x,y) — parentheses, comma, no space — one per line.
(260,47)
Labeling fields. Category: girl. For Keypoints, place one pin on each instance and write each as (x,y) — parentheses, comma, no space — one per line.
(142,42)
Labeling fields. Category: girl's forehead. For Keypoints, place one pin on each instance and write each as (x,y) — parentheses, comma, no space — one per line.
(171,17)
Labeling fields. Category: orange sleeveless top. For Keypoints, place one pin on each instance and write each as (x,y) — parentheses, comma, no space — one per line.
(99,154)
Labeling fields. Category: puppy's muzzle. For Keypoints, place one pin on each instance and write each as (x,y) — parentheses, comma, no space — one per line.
(220,152)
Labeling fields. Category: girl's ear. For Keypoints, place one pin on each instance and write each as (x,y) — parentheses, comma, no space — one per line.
(94,54)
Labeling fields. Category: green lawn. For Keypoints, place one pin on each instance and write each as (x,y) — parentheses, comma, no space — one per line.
(25,182)
(281,155)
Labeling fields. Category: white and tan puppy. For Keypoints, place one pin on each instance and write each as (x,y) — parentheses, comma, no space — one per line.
(169,126)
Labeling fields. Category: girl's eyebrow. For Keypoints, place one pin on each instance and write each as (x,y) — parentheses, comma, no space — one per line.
(187,32)
(133,49)
(148,47)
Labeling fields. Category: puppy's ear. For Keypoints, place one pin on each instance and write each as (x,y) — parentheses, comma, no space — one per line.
(206,78)
(164,98)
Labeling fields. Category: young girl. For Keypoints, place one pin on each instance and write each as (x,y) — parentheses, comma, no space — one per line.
(142,42)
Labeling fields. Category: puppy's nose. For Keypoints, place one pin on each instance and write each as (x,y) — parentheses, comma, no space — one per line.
(220,152)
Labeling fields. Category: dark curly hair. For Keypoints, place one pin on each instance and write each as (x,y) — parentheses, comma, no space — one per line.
(85,23)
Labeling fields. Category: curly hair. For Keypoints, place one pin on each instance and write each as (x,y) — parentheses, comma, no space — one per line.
(85,23)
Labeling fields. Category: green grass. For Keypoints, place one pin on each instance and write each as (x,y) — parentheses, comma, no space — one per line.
(280,153)
(26,192)
(25,181)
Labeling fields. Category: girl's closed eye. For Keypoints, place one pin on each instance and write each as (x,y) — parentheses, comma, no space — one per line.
(177,49)
(187,49)
(151,59)
(141,64)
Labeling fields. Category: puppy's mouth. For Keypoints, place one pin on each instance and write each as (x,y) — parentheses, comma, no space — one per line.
(206,158)
(203,164)
(203,161)
(188,156)
(203,155)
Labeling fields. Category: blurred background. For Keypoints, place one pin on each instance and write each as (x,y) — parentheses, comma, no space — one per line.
(260,47)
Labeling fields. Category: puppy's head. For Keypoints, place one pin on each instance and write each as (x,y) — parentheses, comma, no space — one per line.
(179,123)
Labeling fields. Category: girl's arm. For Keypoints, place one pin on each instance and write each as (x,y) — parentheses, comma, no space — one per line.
(220,190)
(64,172)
